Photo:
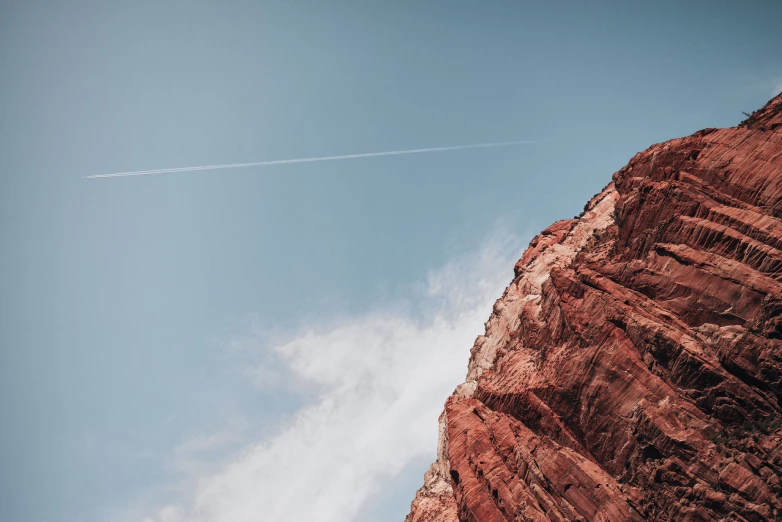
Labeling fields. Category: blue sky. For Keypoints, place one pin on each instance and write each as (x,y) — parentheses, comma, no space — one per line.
(167,343)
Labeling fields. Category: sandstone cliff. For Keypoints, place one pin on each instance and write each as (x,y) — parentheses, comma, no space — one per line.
(633,368)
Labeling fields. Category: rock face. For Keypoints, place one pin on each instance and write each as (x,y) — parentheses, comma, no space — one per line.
(633,368)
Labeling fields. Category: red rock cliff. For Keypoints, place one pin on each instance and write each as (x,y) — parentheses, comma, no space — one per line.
(633,368)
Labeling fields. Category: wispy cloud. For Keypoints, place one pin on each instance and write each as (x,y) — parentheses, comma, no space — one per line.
(381,381)
(204,443)
(308,160)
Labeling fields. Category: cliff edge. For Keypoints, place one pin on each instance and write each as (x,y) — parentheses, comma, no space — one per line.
(632,370)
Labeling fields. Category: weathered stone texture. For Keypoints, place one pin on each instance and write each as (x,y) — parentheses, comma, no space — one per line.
(633,368)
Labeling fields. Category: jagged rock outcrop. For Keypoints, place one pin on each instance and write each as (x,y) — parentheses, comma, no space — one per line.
(633,368)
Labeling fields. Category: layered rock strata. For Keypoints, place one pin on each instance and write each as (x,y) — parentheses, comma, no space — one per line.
(632,370)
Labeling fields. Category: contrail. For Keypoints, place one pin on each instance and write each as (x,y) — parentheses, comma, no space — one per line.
(307,160)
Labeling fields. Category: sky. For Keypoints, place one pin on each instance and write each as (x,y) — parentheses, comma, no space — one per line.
(276,342)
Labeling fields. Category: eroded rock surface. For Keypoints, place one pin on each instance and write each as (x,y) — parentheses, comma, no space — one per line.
(633,368)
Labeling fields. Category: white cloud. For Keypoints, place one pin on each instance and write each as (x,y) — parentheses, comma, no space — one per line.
(204,443)
(777,88)
(380,380)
